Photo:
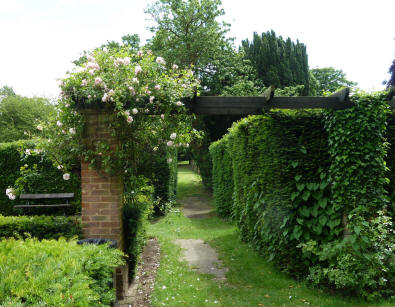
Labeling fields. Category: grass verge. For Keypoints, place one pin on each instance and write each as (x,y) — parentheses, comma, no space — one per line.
(251,281)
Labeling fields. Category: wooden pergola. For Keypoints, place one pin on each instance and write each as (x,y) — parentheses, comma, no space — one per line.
(233,105)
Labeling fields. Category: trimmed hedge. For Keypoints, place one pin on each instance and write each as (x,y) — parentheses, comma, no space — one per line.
(44,178)
(56,273)
(40,227)
(222,177)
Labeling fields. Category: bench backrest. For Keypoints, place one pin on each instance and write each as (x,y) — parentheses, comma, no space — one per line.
(46,196)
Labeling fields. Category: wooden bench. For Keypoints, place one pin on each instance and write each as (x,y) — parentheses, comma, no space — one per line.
(33,197)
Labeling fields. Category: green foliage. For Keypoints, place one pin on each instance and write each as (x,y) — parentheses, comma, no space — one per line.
(40,227)
(187,32)
(362,264)
(19,116)
(33,172)
(56,273)
(357,148)
(391,70)
(138,205)
(222,177)
(277,61)
(330,79)
(6,91)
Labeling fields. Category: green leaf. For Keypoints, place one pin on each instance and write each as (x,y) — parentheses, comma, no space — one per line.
(303,150)
(294,195)
(300,186)
(323,219)
(299,220)
(323,185)
(306,195)
(323,202)
(304,211)
(294,164)
(298,177)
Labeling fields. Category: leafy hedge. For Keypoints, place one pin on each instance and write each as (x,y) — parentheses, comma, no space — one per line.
(42,177)
(56,273)
(297,176)
(222,177)
(138,205)
(40,227)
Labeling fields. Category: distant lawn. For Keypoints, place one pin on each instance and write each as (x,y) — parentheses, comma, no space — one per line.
(251,281)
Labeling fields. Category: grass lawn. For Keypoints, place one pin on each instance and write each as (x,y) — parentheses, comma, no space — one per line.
(251,281)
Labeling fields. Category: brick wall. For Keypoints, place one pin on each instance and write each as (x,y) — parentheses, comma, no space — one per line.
(102,194)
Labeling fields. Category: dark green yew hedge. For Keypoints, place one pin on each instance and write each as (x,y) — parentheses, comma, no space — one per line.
(46,178)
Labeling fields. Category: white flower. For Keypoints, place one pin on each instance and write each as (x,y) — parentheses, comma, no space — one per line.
(72,130)
(89,96)
(173,135)
(126,61)
(151,99)
(66,176)
(160,60)
(184,85)
(130,119)
(105,49)
(98,80)
(135,80)
(132,90)
(155,148)
(111,92)
(138,69)
(179,103)
(134,111)
(187,145)
(28,152)
(162,116)
(59,123)
(11,196)
(91,72)
(60,167)
(90,58)
(170,143)
(169,160)
(68,105)
(157,87)
(39,127)
(164,287)
(127,113)
(84,82)
(140,53)
(105,97)
(175,66)
(37,151)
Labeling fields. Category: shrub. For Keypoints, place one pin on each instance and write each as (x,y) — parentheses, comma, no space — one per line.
(138,205)
(39,176)
(56,273)
(40,227)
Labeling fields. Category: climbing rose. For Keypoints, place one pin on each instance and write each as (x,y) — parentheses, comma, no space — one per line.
(173,135)
(59,123)
(170,143)
(66,176)
(39,127)
(135,111)
(98,80)
(160,60)
(10,193)
(175,66)
(151,99)
(130,119)
(140,53)
(138,69)
(169,161)
(157,87)
(72,130)
(60,167)
(162,116)
(135,80)
(179,104)
(84,82)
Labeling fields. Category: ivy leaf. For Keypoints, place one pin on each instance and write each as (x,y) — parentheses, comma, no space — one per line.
(300,186)
(322,219)
(323,202)
(294,195)
(306,195)
(304,211)
(310,186)
(294,164)
(323,185)
(297,177)
(303,150)
(300,221)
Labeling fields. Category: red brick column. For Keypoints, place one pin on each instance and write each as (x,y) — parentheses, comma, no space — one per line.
(102,194)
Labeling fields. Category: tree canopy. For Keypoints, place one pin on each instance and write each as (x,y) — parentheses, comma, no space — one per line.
(391,81)
(330,79)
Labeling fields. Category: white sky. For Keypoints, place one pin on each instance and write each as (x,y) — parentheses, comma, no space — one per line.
(40,38)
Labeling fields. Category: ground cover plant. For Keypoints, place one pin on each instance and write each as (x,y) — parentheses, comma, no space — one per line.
(56,273)
(251,281)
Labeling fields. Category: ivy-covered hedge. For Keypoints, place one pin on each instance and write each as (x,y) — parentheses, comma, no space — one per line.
(299,178)
(56,273)
(42,177)
(40,227)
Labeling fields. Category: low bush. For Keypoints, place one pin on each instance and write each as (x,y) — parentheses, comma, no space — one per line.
(40,227)
(56,273)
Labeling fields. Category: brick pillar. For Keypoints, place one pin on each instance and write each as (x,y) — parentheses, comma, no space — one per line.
(101,193)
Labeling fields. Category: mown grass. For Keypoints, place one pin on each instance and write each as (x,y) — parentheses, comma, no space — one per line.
(251,281)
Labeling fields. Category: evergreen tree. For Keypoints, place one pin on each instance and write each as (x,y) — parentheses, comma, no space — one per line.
(277,61)
(391,81)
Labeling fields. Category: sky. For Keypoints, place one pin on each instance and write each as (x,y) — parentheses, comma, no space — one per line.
(40,38)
